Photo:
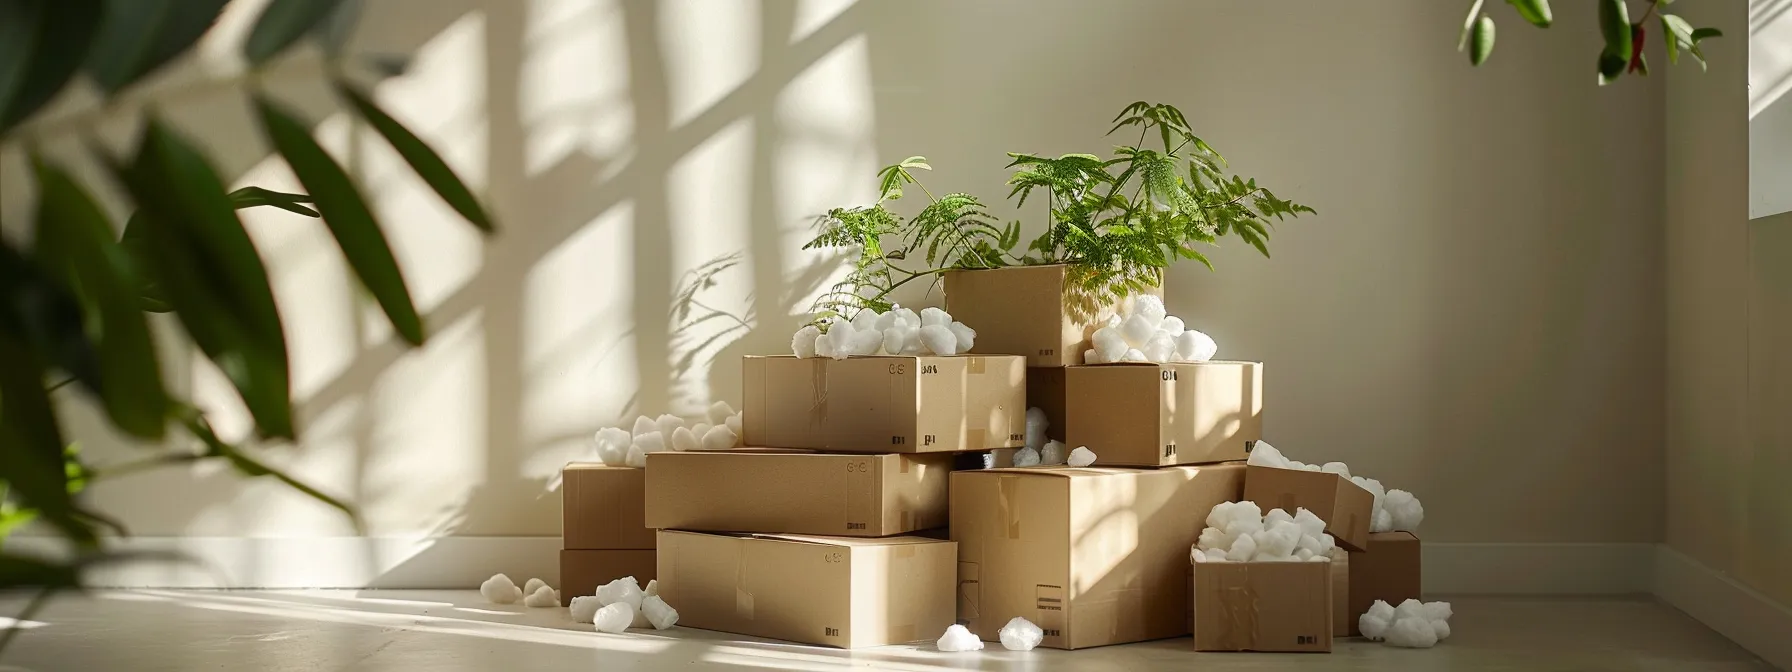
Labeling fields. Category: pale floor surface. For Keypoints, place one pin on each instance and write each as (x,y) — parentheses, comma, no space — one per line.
(444,631)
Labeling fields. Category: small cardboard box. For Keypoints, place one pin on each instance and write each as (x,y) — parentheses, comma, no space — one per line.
(1024,310)
(1344,506)
(581,572)
(1045,391)
(1150,415)
(604,508)
(830,591)
(1387,570)
(1263,606)
(797,492)
(1093,556)
(885,404)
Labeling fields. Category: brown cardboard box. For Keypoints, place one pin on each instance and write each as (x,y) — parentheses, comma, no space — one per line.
(830,591)
(1263,606)
(1343,623)
(1093,556)
(604,507)
(581,572)
(797,492)
(1344,506)
(1388,570)
(885,404)
(1045,390)
(1151,415)
(1023,310)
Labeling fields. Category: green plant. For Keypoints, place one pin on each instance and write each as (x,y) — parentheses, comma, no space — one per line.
(1623,48)
(72,302)
(1118,223)
(951,231)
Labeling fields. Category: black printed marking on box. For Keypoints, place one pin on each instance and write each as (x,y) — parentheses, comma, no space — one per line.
(830,632)
(1169,450)
(930,369)
(1053,632)
(898,440)
(928,439)
(1047,352)
(1169,375)
(856,526)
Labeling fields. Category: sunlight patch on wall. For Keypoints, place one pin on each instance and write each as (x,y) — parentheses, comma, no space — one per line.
(574,90)
(828,152)
(431,402)
(709,48)
(811,15)
(443,99)
(578,336)
(711,219)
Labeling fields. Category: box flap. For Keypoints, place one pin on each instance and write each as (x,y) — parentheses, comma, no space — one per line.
(593,466)
(849,542)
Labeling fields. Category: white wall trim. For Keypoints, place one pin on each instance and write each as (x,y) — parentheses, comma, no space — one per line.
(324,562)
(1536,568)
(463,562)
(1749,618)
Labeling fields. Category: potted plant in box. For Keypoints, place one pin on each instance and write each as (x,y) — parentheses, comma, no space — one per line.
(1113,226)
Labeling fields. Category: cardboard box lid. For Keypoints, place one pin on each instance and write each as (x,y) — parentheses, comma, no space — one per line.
(885,403)
(1343,505)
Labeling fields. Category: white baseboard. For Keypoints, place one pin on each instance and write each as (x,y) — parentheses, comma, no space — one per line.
(1738,612)
(1536,569)
(326,562)
(458,562)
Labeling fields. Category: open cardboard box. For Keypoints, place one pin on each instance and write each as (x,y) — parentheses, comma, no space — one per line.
(1387,570)
(1024,310)
(1148,415)
(1343,505)
(1264,606)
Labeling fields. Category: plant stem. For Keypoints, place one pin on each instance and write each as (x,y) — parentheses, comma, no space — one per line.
(59,385)
(1648,13)
(904,281)
(31,608)
(145,464)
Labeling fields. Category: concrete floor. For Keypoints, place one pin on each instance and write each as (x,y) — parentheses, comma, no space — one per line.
(443,631)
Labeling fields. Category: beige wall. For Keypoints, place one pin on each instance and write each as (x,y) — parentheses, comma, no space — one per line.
(1729,318)
(1474,316)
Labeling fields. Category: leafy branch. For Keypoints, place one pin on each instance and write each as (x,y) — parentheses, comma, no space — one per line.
(1623,38)
(951,231)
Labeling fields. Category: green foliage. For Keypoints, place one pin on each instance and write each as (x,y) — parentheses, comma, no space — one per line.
(1120,222)
(951,231)
(1622,38)
(71,305)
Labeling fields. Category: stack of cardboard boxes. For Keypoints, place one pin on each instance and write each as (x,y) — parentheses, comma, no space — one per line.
(831,535)
(603,535)
(828,531)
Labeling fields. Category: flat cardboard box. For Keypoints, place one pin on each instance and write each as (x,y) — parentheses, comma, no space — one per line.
(1045,391)
(604,508)
(1094,556)
(1149,415)
(1387,570)
(885,404)
(581,572)
(1024,310)
(1281,607)
(851,495)
(830,591)
(1344,506)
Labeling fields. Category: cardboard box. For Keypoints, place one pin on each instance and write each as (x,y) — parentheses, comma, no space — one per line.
(1093,556)
(1045,391)
(1387,570)
(581,572)
(885,404)
(1343,623)
(1263,606)
(1024,310)
(1152,415)
(830,591)
(604,508)
(1344,506)
(797,492)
